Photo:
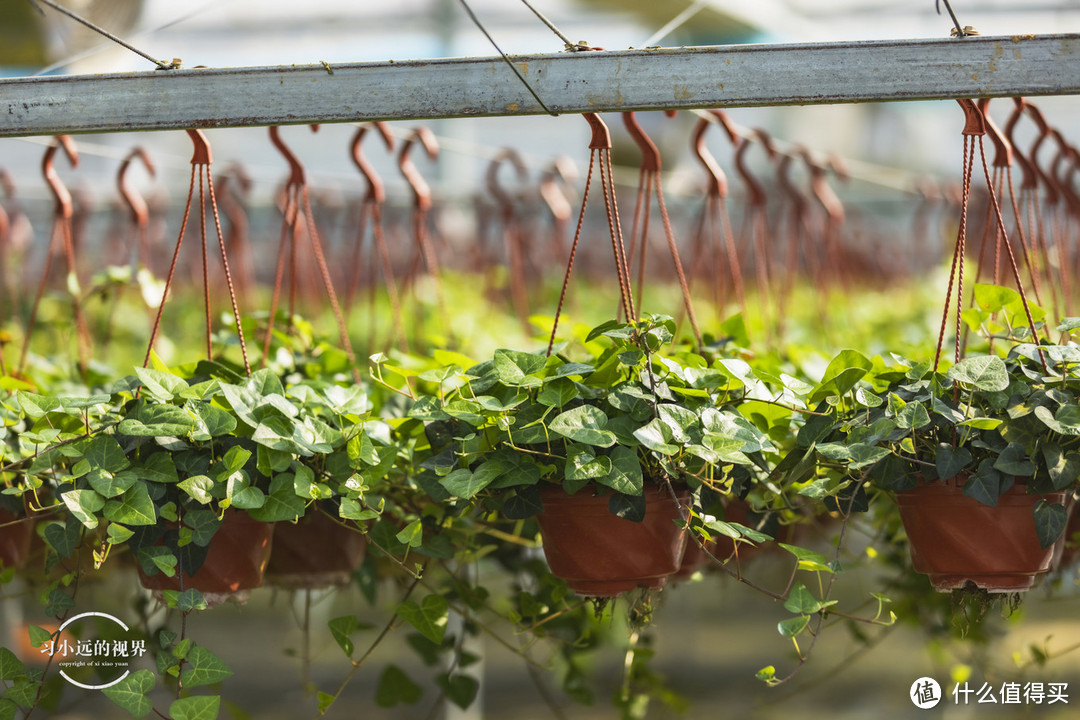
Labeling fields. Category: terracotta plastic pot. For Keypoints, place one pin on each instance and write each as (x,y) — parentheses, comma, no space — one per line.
(956,540)
(314,552)
(602,555)
(15,535)
(235,561)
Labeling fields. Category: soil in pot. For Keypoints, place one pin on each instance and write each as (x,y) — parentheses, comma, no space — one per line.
(957,541)
(602,555)
(314,552)
(234,565)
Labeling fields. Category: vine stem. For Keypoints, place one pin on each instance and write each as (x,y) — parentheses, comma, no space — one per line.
(357,664)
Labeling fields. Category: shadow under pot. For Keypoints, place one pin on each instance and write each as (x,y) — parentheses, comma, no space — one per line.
(958,541)
(314,552)
(599,554)
(234,564)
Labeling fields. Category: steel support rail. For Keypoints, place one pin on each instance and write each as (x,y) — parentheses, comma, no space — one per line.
(592,81)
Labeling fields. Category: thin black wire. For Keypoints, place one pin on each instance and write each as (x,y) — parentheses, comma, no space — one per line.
(513,67)
(956,22)
(566,41)
(98,48)
(101,31)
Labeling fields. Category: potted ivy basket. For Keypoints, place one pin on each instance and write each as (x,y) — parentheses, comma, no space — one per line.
(603,454)
(980,457)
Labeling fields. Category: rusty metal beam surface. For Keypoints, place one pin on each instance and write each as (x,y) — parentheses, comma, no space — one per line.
(594,81)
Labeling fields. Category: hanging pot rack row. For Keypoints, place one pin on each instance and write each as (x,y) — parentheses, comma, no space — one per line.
(569,82)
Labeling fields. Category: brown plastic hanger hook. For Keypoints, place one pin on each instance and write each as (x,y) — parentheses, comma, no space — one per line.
(798,198)
(819,186)
(1027,172)
(601,137)
(1053,194)
(296,170)
(140,214)
(232,185)
(754,189)
(974,120)
(501,196)
(1063,159)
(1003,150)
(7,183)
(420,188)
(201,154)
(64,207)
(718,185)
(650,155)
(561,172)
(376,192)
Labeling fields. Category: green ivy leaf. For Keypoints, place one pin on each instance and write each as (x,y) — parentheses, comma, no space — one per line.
(83,504)
(158,421)
(464,483)
(459,688)
(627,507)
(39,635)
(863,455)
(582,463)
(793,626)
(133,508)
(158,468)
(985,485)
(199,487)
(199,707)
(842,374)
(1064,468)
(281,504)
(10,666)
(210,421)
(130,693)
(155,559)
(558,392)
(412,535)
(984,372)
(516,368)
(950,461)
(396,687)
(109,485)
(104,453)
(585,424)
(1050,521)
(625,476)
(1065,421)
(204,668)
(656,436)
(429,617)
(1014,460)
(343,628)
(161,386)
(808,559)
(802,602)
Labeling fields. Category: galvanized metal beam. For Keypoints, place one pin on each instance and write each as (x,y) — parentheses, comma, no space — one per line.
(594,81)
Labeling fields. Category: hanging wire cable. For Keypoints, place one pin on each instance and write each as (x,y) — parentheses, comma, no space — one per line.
(476,21)
(145,33)
(162,65)
(566,41)
(675,23)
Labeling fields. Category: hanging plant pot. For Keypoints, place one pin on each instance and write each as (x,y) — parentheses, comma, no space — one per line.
(957,541)
(234,565)
(16,532)
(602,555)
(314,552)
